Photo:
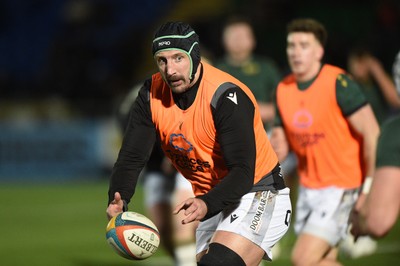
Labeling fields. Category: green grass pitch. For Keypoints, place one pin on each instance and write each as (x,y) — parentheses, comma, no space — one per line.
(64,225)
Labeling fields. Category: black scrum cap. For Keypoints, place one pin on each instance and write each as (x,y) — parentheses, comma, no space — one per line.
(178,36)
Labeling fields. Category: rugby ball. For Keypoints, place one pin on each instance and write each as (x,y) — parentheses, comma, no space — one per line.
(132,235)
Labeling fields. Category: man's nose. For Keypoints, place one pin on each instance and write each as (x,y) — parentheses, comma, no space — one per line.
(170,68)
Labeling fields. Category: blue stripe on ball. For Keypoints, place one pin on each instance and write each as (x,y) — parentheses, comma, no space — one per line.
(113,234)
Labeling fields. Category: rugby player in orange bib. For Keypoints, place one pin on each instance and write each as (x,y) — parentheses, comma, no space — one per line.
(210,127)
(325,119)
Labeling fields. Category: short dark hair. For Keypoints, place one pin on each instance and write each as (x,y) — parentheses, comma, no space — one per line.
(237,19)
(309,25)
(359,52)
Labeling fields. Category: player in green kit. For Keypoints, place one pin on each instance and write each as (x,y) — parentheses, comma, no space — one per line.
(259,73)
(382,207)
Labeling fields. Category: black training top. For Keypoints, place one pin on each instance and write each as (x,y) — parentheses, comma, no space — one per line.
(134,154)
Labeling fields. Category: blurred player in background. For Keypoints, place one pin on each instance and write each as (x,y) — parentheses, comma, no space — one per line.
(325,119)
(380,91)
(259,73)
(194,109)
(381,209)
(377,85)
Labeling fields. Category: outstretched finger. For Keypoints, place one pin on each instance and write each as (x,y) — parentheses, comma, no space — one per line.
(178,208)
(184,206)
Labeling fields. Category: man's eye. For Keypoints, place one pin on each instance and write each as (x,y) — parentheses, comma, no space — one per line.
(305,45)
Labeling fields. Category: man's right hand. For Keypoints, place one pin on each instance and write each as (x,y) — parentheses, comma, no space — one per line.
(115,207)
(194,210)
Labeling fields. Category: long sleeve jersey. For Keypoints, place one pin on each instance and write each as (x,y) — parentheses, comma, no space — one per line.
(233,119)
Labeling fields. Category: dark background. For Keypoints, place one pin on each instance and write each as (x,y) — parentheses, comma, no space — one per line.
(89,53)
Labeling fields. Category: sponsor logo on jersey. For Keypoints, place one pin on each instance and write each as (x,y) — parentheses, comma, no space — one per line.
(233,217)
(181,155)
(258,216)
(232,96)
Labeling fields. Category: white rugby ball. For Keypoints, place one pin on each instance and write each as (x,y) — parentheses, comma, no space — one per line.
(132,235)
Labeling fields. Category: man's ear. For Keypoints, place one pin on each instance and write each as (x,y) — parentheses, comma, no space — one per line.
(320,52)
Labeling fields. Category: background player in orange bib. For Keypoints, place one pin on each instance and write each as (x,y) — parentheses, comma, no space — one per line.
(325,119)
